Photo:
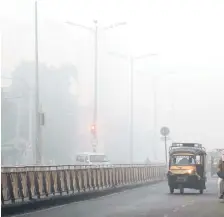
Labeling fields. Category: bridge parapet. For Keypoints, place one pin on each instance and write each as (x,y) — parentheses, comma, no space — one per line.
(19,184)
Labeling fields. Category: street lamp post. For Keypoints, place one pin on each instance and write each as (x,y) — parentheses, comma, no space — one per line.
(95,118)
(154,85)
(95,30)
(38,148)
(155,116)
(132,102)
(131,130)
(132,59)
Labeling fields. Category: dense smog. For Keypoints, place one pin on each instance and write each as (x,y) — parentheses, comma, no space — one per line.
(112,108)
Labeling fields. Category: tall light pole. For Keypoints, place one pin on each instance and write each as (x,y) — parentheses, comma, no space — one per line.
(131,130)
(95,30)
(132,59)
(38,147)
(154,86)
(95,110)
(155,116)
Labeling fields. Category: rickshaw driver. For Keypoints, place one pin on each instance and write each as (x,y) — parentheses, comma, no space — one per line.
(185,161)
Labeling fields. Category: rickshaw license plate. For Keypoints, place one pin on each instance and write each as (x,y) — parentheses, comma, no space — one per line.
(181,179)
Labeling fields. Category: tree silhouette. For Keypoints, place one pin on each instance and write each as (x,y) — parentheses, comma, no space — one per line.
(8,114)
(58,104)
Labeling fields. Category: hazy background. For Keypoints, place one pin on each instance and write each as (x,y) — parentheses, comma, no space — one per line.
(188,37)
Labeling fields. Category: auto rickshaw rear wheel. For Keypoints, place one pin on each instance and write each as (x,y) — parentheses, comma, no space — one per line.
(181,190)
(201,191)
(171,190)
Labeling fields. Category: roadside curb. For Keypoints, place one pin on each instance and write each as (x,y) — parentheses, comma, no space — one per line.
(37,204)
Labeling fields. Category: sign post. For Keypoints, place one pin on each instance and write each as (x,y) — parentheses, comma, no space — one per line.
(94,137)
(94,144)
(165,132)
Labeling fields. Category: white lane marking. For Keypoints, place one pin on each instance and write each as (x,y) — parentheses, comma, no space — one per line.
(191,202)
(183,205)
(165,215)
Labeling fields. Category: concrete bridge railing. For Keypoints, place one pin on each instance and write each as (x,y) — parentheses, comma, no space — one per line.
(32,183)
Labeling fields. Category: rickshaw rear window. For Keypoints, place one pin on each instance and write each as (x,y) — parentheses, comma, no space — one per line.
(182,160)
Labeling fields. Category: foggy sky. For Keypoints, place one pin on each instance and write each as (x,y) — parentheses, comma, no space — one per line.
(186,35)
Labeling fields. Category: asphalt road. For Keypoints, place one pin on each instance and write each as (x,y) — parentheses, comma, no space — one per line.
(150,201)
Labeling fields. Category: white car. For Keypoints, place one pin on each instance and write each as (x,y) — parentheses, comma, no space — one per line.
(92,159)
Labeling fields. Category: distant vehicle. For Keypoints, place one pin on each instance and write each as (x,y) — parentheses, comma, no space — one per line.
(92,159)
(213,159)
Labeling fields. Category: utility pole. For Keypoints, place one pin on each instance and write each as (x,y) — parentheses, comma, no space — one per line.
(95,111)
(166,150)
(95,30)
(165,132)
(30,128)
(18,121)
(156,79)
(38,148)
(131,108)
(132,59)
(155,142)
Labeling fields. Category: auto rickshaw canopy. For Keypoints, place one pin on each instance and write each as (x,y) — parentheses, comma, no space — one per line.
(187,148)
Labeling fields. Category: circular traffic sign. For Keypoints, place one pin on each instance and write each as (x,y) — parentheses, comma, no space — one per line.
(164,131)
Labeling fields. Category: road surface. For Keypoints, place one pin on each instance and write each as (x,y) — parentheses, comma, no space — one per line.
(150,201)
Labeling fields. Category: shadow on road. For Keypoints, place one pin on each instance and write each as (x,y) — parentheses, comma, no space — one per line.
(192,193)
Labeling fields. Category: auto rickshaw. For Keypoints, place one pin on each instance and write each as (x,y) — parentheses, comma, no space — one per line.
(187,162)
